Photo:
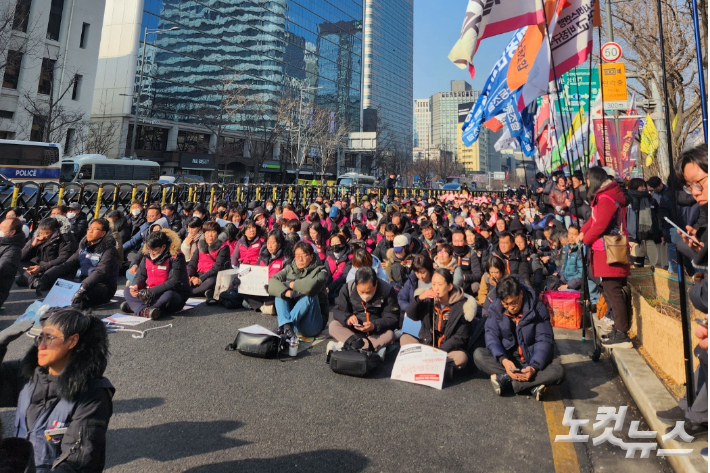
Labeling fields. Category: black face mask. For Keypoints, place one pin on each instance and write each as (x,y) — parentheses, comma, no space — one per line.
(338,248)
(460,250)
(390,244)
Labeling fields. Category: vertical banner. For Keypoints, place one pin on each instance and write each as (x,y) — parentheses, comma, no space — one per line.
(607,143)
(628,126)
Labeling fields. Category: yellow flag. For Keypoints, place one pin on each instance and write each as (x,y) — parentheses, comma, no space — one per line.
(649,140)
(675,122)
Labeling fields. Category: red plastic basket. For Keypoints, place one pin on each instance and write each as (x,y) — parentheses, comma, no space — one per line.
(564,308)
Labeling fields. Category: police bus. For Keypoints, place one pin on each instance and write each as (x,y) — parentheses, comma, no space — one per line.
(30,160)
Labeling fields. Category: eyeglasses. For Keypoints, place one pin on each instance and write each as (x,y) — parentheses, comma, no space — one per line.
(45,339)
(300,256)
(697,186)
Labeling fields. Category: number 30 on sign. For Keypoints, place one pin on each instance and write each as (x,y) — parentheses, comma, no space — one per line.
(611,52)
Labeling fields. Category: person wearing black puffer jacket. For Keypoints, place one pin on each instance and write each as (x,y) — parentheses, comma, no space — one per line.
(515,263)
(52,244)
(64,402)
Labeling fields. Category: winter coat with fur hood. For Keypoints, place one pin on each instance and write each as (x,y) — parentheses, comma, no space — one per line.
(177,269)
(82,448)
(453,329)
(54,251)
(216,256)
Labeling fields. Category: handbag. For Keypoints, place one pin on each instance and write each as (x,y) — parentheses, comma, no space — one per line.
(258,345)
(352,361)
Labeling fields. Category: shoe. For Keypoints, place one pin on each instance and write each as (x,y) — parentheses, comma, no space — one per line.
(616,339)
(125,308)
(245,304)
(501,383)
(382,352)
(34,284)
(279,331)
(209,294)
(268,309)
(692,429)
(40,293)
(288,331)
(538,391)
(152,313)
(333,346)
(671,416)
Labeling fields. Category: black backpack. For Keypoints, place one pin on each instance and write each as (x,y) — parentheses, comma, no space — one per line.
(353,359)
(231,299)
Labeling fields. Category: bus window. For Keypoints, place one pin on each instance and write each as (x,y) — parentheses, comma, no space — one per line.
(103,172)
(346,181)
(141,173)
(68,172)
(155,173)
(86,172)
(123,173)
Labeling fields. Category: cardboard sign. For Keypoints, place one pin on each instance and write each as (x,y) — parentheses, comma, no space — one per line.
(61,293)
(253,280)
(420,364)
(224,281)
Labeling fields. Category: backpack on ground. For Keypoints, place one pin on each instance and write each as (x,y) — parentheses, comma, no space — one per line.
(353,359)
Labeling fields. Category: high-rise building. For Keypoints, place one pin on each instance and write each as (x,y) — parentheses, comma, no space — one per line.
(388,58)
(468,156)
(197,53)
(445,115)
(49,50)
(422,123)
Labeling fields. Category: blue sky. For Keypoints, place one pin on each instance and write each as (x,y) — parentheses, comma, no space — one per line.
(437,25)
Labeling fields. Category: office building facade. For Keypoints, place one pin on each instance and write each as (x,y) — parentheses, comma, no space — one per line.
(206,53)
(49,49)
(422,124)
(388,55)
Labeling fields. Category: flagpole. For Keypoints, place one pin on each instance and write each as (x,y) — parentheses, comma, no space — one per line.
(601,91)
(589,121)
(672,184)
(701,72)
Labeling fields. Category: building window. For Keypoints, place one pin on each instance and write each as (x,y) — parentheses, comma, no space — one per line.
(37,131)
(22,15)
(76,91)
(191,142)
(84,35)
(12,70)
(7,114)
(69,141)
(46,78)
(55,19)
(148,138)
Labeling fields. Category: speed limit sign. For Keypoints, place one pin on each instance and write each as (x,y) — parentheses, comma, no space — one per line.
(611,52)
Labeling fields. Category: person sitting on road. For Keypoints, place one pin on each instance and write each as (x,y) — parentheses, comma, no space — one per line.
(365,308)
(487,291)
(137,217)
(249,245)
(301,300)
(64,402)
(53,244)
(211,257)
(96,263)
(444,259)
(16,212)
(194,233)
(12,240)
(337,257)
(450,327)
(160,286)
(520,343)
(77,220)
(135,263)
(399,261)
(362,257)
(132,247)
(174,221)
(418,280)
(120,224)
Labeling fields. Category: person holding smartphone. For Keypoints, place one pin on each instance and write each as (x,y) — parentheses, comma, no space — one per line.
(520,343)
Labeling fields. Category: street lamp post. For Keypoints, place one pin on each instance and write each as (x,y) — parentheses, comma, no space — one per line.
(140,86)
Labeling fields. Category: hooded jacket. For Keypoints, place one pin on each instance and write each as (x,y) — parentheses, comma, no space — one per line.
(398,269)
(206,262)
(456,328)
(641,217)
(137,240)
(607,208)
(79,224)
(54,251)
(98,262)
(136,223)
(382,310)
(515,263)
(80,388)
(169,269)
(10,253)
(309,281)
(189,248)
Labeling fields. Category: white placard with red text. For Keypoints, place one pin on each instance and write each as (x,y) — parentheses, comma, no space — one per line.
(420,364)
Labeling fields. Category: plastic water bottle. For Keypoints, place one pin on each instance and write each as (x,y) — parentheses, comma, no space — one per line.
(293,346)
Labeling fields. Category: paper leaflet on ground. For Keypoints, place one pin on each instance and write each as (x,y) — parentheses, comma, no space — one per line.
(124,319)
(420,364)
(61,293)
(257,330)
(253,280)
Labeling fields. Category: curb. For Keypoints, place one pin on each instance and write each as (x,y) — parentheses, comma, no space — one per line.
(650,396)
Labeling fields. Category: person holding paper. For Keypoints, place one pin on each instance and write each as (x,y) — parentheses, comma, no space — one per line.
(446,314)
(520,343)
(161,286)
(96,262)
(64,402)
(366,307)
(211,257)
(301,300)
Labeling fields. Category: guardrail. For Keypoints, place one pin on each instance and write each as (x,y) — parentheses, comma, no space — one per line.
(37,199)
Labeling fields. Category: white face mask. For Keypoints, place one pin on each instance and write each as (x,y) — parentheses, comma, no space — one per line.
(71,214)
(135,212)
(269,208)
(285,230)
(366,297)
(2,234)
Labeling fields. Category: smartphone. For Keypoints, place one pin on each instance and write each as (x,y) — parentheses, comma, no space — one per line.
(515,370)
(683,232)
(358,325)
(703,322)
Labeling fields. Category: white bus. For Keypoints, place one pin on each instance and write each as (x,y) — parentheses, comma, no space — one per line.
(99,168)
(355,179)
(30,160)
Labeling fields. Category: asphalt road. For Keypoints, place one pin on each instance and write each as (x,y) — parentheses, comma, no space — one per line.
(183,403)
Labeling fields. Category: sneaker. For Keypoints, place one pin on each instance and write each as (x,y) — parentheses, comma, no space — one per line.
(616,339)
(671,416)
(125,308)
(288,331)
(209,294)
(382,352)
(245,305)
(501,383)
(152,313)
(279,331)
(692,429)
(538,391)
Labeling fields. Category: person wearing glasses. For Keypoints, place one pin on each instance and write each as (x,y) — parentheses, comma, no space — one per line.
(301,299)
(64,402)
(520,343)
(160,286)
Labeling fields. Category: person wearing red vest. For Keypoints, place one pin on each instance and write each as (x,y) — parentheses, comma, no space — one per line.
(211,258)
(271,255)
(249,245)
(161,285)
(337,257)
